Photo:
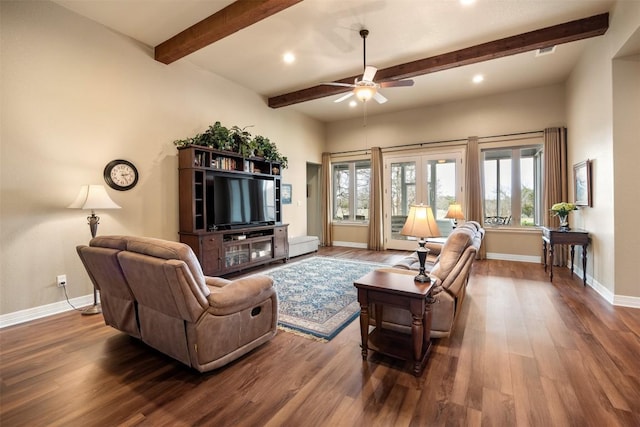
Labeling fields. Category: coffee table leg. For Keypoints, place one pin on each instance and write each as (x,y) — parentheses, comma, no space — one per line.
(364,328)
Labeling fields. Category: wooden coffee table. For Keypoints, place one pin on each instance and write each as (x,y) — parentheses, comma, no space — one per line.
(396,288)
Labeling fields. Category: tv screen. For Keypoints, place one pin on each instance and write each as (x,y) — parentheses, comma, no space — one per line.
(239,201)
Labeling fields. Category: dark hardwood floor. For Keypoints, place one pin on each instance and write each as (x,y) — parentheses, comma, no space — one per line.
(525,352)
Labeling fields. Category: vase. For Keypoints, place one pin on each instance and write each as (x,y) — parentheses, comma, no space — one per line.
(564,221)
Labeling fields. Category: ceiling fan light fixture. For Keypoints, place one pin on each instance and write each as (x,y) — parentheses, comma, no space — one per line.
(364,93)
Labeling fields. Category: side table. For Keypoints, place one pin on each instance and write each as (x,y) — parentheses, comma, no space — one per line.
(561,236)
(385,287)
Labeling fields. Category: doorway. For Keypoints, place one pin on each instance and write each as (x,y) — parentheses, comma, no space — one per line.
(434,179)
(314,201)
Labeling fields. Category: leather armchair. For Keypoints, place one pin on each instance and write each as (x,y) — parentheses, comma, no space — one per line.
(156,288)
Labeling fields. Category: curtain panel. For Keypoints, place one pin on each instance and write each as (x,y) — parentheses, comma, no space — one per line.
(473,186)
(376,235)
(556,181)
(327,232)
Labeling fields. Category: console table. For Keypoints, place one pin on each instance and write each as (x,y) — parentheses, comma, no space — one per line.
(383,287)
(561,236)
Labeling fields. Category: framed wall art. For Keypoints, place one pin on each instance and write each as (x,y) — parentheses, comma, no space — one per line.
(582,183)
(286,194)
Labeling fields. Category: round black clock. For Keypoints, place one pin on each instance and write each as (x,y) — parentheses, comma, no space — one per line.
(121,175)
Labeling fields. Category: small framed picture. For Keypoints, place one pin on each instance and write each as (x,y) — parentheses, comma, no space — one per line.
(582,183)
(286,194)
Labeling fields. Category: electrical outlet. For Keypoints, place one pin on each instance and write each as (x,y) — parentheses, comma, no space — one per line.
(61,280)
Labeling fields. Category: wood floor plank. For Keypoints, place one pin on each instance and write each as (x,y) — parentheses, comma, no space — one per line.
(524,351)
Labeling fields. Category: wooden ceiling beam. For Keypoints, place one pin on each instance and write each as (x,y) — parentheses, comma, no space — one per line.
(550,36)
(235,17)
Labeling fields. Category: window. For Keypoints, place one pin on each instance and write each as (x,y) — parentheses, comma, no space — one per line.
(513,185)
(351,190)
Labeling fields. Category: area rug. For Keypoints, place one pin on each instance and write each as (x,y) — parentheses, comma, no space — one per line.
(316,296)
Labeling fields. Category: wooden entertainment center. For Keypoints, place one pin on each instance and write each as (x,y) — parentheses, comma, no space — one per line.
(232,246)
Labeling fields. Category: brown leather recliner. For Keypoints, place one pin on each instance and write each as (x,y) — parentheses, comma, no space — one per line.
(155,290)
(451,271)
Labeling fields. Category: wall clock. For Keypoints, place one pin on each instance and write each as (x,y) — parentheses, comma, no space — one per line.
(121,175)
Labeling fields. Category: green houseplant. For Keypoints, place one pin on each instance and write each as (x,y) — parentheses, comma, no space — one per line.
(235,139)
(267,149)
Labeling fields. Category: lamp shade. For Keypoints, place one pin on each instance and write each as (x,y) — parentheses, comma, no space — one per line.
(420,223)
(454,211)
(93,197)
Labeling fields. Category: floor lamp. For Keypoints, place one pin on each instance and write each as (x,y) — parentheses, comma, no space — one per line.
(455,213)
(92,197)
(421,224)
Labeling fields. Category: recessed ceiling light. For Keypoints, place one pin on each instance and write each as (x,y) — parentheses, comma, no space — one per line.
(289,58)
(467,2)
(352,103)
(478,78)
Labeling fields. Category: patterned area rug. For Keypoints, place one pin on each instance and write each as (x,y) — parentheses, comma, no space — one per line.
(316,295)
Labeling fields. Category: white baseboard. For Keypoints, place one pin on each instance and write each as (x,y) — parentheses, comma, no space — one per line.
(29,314)
(512,257)
(603,291)
(625,301)
(350,244)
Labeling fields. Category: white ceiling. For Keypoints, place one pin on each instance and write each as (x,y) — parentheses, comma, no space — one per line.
(323,34)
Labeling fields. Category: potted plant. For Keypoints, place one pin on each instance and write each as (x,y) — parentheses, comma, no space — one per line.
(561,210)
(236,139)
(242,142)
(267,149)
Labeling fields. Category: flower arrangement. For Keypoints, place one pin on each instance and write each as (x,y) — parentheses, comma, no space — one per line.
(563,208)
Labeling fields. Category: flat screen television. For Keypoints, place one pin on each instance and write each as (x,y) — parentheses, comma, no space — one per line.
(234,201)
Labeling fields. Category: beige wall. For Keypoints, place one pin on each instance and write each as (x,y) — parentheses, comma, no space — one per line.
(612,146)
(626,156)
(520,111)
(75,96)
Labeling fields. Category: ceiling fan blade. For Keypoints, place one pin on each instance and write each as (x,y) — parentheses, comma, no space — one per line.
(378,97)
(369,73)
(343,97)
(396,83)
(338,84)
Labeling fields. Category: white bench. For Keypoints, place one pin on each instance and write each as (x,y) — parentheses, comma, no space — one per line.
(302,245)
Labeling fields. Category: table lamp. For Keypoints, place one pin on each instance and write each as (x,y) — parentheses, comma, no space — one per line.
(421,224)
(455,213)
(93,197)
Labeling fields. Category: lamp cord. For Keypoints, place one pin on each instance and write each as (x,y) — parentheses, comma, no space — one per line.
(67,297)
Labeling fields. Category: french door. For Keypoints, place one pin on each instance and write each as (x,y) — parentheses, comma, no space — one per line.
(431,179)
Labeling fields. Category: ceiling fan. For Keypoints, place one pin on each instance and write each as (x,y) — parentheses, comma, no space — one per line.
(366,88)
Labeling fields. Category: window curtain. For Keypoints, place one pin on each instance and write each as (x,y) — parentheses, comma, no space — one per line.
(473,185)
(555,184)
(327,232)
(376,236)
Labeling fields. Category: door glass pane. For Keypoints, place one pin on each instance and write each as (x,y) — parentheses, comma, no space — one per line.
(403,195)
(441,182)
